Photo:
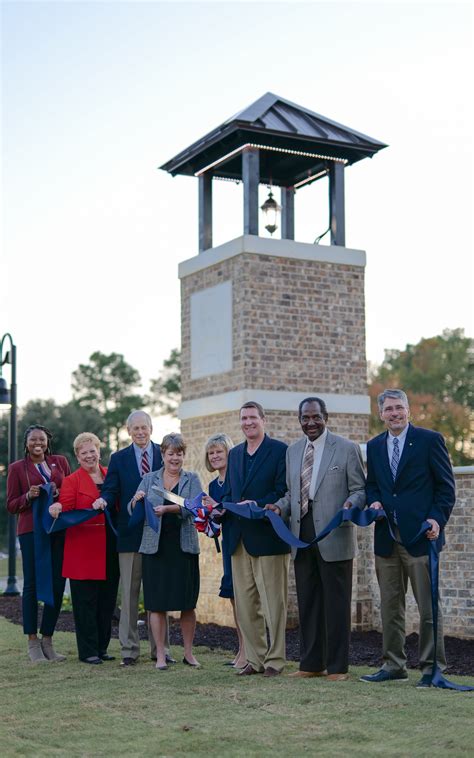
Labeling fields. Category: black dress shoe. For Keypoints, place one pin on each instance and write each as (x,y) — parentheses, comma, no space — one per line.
(194,665)
(385,676)
(128,662)
(107,657)
(94,660)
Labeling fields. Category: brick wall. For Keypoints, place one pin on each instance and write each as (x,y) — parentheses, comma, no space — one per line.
(297,324)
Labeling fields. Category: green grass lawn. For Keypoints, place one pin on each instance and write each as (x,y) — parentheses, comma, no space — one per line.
(71,709)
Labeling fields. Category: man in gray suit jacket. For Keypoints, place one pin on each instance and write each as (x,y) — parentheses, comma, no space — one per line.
(324,472)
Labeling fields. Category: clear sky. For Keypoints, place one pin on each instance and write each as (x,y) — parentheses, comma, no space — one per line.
(97,95)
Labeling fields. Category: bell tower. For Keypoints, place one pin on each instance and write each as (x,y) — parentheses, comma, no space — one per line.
(265,319)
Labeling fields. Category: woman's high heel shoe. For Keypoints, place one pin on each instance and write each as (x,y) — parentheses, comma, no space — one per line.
(194,665)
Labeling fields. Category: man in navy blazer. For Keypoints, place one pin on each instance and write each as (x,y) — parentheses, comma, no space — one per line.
(256,471)
(125,472)
(410,476)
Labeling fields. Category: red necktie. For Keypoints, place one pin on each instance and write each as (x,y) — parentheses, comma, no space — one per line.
(145,463)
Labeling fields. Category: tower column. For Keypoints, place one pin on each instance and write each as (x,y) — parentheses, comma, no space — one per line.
(287,213)
(205,212)
(336,204)
(251,179)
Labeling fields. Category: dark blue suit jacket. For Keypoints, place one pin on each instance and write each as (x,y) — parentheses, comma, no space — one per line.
(424,487)
(120,485)
(266,483)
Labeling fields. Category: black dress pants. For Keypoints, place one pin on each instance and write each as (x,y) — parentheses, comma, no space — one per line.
(324,591)
(93,603)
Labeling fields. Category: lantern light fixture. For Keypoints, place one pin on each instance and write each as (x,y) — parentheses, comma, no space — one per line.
(271,213)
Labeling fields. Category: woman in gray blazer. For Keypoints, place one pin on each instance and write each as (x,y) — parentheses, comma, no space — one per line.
(170,566)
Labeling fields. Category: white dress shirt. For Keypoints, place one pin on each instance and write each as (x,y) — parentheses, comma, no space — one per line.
(139,455)
(401,442)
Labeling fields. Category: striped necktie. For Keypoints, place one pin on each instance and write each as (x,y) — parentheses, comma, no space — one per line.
(306,476)
(145,463)
(395,459)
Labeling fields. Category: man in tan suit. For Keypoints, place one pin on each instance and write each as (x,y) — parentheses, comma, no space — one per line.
(324,472)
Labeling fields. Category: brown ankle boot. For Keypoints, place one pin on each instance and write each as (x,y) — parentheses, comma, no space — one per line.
(35,652)
(49,652)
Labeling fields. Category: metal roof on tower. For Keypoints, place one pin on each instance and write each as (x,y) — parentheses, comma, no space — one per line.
(295,144)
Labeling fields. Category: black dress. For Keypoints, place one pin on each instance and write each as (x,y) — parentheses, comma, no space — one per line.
(170,577)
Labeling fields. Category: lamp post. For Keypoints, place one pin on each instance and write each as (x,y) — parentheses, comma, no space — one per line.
(9,398)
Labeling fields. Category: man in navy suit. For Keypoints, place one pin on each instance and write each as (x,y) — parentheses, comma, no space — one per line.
(126,470)
(409,475)
(256,472)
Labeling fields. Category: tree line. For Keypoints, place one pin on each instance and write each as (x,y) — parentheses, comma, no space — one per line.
(438,376)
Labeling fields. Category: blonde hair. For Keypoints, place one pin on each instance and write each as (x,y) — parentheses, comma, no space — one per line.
(217,440)
(85,438)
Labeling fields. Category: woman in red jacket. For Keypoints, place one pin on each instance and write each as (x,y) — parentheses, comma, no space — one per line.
(25,478)
(90,555)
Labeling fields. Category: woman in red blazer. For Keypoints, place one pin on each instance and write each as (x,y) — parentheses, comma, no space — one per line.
(90,555)
(25,478)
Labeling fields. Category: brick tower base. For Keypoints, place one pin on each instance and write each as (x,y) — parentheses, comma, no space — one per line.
(273,321)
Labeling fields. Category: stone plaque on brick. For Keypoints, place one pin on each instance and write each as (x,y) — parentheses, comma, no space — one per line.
(211,330)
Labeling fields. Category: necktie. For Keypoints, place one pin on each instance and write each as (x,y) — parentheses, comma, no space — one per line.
(145,463)
(306,474)
(395,459)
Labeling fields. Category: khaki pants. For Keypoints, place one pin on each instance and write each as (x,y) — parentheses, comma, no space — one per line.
(261,598)
(130,579)
(392,575)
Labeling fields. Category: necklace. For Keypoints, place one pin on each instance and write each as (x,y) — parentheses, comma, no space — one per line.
(170,481)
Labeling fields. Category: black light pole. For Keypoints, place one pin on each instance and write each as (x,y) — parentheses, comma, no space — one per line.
(10,398)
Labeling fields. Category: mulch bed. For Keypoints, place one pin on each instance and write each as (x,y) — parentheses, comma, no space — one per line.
(365,647)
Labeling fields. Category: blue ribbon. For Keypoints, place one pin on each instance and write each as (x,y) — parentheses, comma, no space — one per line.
(361,518)
(355,515)
(44,526)
(254,512)
(42,542)
(143,508)
(437,678)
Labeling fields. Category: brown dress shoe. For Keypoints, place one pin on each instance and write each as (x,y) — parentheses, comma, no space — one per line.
(337,677)
(307,674)
(247,671)
(270,671)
